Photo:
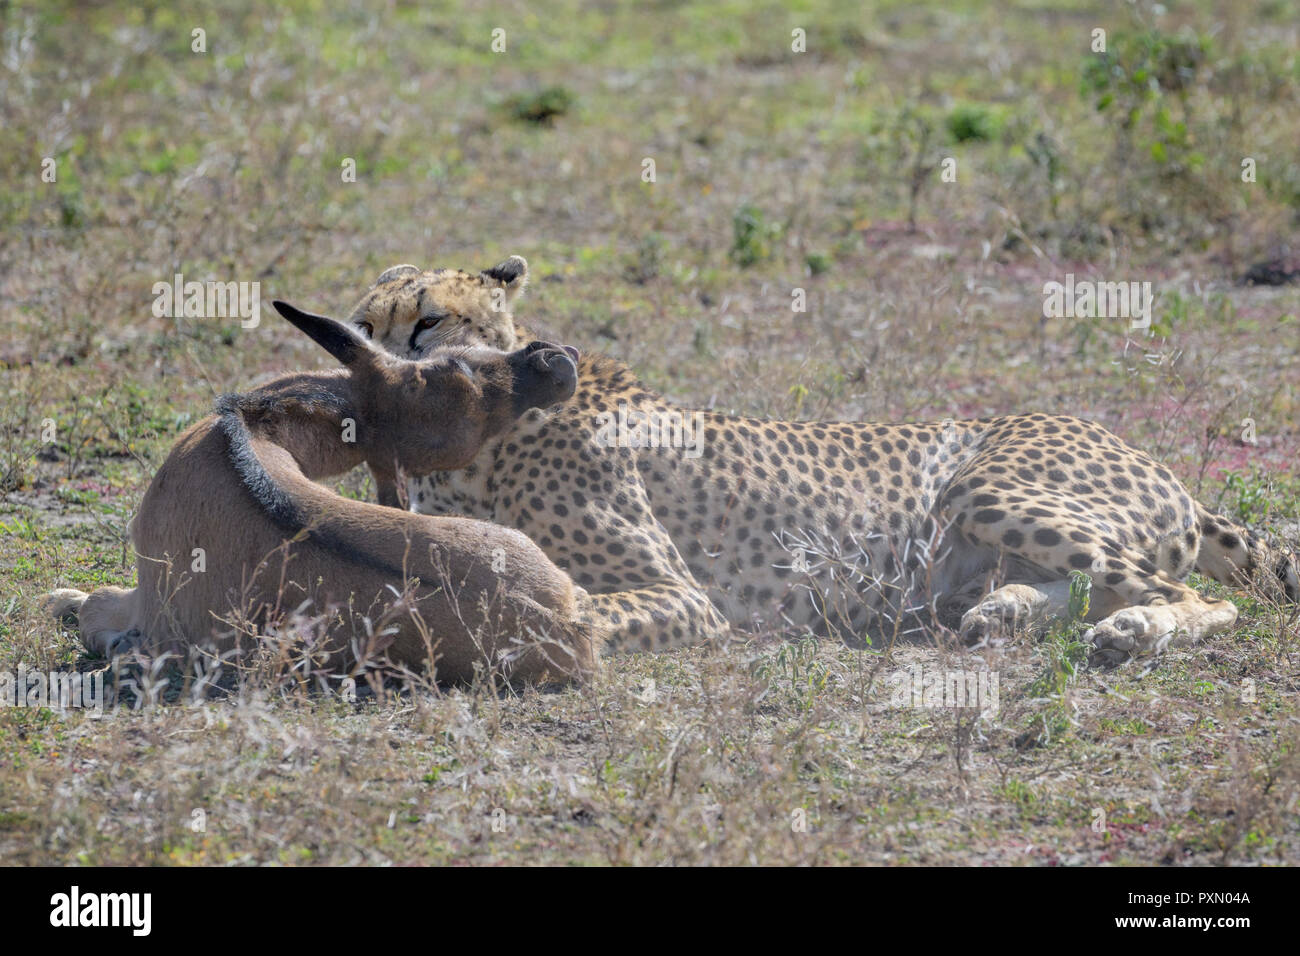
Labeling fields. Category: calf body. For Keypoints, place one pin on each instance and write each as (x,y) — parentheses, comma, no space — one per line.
(235,539)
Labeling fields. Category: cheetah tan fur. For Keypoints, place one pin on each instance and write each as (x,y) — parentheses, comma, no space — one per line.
(850,529)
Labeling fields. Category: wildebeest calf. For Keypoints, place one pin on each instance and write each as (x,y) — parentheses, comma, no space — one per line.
(234,537)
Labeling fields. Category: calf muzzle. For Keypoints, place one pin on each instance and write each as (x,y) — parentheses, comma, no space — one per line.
(544,374)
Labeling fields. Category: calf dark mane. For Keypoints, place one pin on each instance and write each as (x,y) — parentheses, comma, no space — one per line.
(276,503)
(309,395)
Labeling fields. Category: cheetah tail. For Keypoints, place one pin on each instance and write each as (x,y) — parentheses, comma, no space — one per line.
(1235,555)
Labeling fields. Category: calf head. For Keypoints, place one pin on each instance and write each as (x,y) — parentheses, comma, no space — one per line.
(435,414)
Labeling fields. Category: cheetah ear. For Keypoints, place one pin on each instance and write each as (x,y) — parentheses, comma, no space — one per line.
(392,272)
(510,274)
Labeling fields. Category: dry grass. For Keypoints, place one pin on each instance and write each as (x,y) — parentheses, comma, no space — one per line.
(226,165)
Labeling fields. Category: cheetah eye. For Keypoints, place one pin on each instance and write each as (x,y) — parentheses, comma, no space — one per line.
(366,329)
(428,322)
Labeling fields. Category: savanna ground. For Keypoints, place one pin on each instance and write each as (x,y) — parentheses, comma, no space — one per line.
(820,170)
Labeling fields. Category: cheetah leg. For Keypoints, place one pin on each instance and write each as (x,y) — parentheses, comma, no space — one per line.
(1138,608)
(643,594)
(1163,612)
(1150,629)
(1013,607)
(662,616)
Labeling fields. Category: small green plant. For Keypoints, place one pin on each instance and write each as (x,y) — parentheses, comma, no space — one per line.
(794,669)
(1067,656)
(1140,76)
(646,261)
(752,236)
(702,340)
(1248,494)
(817,263)
(72,208)
(798,395)
(1256,497)
(910,134)
(969,123)
(1019,793)
(1080,597)
(1046,156)
(541,107)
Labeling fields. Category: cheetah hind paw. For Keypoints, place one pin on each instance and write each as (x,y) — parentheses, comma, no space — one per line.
(1132,632)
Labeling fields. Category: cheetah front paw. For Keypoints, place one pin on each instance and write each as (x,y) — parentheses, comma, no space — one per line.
(990,622)
(1132,632)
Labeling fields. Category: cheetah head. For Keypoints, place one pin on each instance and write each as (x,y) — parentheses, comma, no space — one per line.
(411,311)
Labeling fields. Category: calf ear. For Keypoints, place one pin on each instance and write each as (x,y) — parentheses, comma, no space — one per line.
(334,337)
(511,275)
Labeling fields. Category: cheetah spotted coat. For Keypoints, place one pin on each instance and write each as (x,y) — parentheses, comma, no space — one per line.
(857,530)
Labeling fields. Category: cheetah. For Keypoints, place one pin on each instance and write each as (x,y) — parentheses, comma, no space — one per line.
(856,530)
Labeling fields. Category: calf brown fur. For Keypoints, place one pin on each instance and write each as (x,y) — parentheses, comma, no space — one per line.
(278,547)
